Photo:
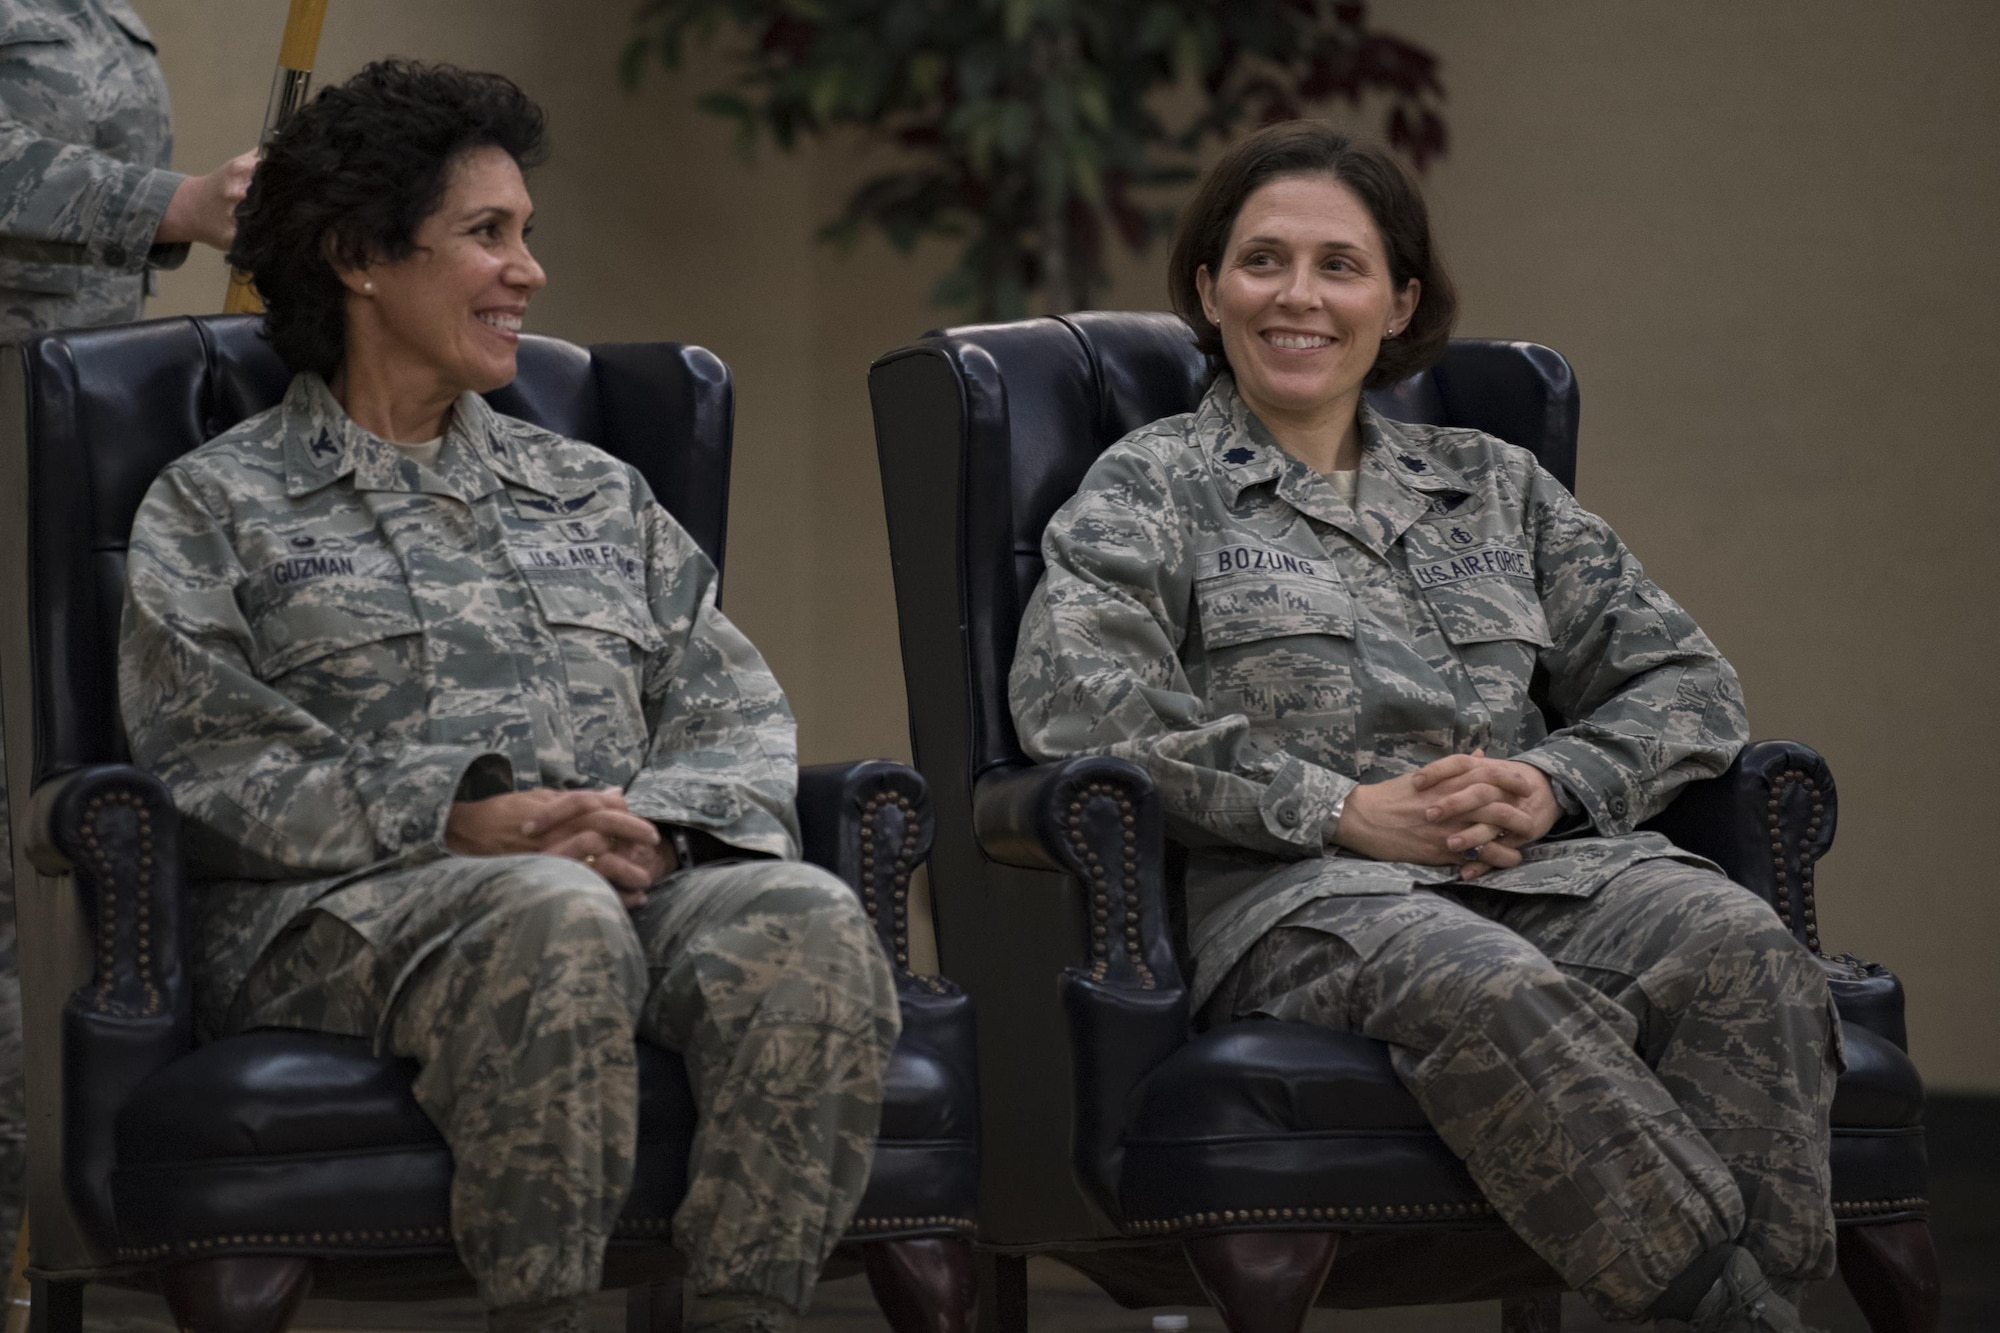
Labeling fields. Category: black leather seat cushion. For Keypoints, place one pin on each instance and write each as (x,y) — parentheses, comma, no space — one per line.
(926,1173)
(1288,1123)
(312,1141)
(1309,1125)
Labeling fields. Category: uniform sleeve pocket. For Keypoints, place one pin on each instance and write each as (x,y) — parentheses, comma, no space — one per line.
(1489,611)
(1240,610)
(18,29)
(48,279)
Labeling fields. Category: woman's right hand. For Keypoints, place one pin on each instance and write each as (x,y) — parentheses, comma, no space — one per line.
(1392,821)
(589,826)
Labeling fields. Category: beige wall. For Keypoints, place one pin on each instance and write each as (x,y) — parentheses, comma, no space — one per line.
(1763,233)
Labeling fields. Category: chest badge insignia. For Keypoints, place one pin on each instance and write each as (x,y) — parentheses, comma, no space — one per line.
(303,543)
(1413,463)
(1239,455)
(1461,536)
(1447,502)
(580,531)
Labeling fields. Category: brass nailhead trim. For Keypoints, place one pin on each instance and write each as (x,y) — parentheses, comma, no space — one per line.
(905,1223)
(1809,908)
(1101,886)
(1869,1207)
(900,868)
(1388,1212)
(249,1240)
(97,858)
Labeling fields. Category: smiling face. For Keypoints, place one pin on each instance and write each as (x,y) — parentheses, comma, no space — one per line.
(450,314)
(1303,297)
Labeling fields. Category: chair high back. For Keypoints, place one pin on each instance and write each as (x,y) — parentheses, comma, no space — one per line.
(1031,405)
(88,419)
(982,432)
(94,415)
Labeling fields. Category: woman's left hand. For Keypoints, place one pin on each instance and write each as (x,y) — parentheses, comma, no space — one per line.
(1503,804)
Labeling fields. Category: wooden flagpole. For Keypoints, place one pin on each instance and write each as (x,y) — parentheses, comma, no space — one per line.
(289,87)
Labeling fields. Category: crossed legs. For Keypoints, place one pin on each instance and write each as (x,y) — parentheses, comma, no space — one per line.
(1632,1078)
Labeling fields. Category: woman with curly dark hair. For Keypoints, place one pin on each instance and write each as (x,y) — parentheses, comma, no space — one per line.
(1407,704)
(469,760)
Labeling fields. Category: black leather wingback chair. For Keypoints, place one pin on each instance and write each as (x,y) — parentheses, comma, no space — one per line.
(1235,1147)
(226,1173)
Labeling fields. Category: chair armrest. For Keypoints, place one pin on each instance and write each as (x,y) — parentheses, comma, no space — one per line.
(113,832)
(1098,820)
(869,822)
(1766,821)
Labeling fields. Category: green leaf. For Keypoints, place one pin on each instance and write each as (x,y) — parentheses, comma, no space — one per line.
(725,104)
(1092,103)
(1084,171)
(632,63)
(1017,124)
(824,94)
(1017,17)
(958,287)
(925,73)
(1190,55)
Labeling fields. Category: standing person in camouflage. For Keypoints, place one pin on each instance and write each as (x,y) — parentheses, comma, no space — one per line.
(1338,644)
(469,761)
(87,210)
(88,206)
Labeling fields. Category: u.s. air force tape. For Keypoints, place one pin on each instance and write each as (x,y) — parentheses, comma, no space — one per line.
(1485,563)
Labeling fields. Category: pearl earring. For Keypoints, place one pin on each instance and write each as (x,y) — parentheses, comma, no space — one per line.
(367,285)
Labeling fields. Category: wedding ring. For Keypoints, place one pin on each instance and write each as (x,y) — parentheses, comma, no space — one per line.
(590,859)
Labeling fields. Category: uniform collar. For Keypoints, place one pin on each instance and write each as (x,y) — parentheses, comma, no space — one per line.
(1402,475)
(323,444)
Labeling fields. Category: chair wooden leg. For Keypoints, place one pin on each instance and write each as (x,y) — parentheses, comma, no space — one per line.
(1263,1281)
(1892,1271)
(55,1307)
(241,1294)
(654,1309)
(922,1286)
(1536,1312)
(1003,1293)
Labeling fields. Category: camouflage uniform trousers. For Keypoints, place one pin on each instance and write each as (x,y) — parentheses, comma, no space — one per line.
(1631,1078)
(518,983)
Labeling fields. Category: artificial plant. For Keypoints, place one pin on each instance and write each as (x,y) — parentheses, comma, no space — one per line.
(1032,129)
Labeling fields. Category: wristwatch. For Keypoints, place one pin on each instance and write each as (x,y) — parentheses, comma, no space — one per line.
(1329,830)
(683,845)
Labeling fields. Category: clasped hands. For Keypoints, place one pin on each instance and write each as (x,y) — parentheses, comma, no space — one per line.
(593,827)
(1464,810)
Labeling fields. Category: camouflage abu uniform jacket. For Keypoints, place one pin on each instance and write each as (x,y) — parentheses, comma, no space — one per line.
(85,138)
(325,645)
(1216,612)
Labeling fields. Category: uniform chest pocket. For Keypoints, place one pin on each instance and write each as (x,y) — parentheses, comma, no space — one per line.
(597,603)
(308,609)
(1238,610)
(1489,610)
